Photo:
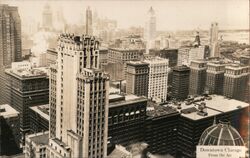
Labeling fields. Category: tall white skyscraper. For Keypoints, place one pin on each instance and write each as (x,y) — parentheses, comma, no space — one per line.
(89,26)
(214,44)
(150,28)
(78,100)
(158,78)
(47,20)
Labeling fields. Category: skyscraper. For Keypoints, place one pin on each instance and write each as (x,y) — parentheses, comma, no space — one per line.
(158,79)
(215,77)
(236,79)
(214,45)
(79,100)
(180,82)
(27,88)
(150,29)
(47,20)
(197,77)
(89,26)
(137,78)
(10,43)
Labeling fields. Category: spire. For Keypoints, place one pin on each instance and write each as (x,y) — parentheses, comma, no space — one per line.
(151,10)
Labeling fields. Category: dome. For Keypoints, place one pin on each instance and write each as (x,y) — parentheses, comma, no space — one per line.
(221,134)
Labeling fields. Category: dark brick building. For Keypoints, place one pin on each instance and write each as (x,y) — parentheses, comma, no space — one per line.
(180,82)
(137,78)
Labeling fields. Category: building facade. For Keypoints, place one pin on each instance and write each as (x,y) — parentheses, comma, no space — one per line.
(51,56)
(215,77)
(180,82)
(197,79)
(35,144)
(79,100)
(9,131)
(158,79)
(39,118)
(27,88)
(236,80)
(121,56)
(10,44)
(214,44)
(137,78)
(126,119)
(167,53)
(161,130)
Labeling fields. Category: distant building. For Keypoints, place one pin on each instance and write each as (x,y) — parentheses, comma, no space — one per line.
(126,119)
(26,65)
(197,79)
(120,55)
(195,52)
(39,118)
(42,60)
(79,100)
(27,88)
(10,44)
(35,144)
(161,130)
(115,71)
(9,131)
(137,78)
(170,54)
(180,82)
(183,56)
(214,44)
(150,28)
(158,79)
(236,79)
(47,18)
(51,56)
(103,57)
(215,77)
(89,26)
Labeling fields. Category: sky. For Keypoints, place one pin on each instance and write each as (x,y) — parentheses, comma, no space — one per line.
(170,14)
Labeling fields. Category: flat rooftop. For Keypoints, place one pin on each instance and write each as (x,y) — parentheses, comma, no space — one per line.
(42,110)
(31,73)
(7,111)
(41,138)
(215,105)
(158,110)
(135,63)
(124,99)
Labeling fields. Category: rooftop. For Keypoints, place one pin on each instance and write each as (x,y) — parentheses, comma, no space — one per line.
(135,63)
(236,66)
(7,111)
(181,68)
(204,107)
(41,138)
(30,73)
(158,110)
(129,99)
(42,110)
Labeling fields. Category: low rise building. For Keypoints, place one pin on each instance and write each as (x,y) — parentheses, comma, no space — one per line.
(39,118)
(35,145)
(9,131)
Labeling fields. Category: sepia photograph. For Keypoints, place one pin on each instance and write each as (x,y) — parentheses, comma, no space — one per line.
(124,78)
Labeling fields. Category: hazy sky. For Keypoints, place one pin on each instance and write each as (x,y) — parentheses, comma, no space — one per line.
(171,14)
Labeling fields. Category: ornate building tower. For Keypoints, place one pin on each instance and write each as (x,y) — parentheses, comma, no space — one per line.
(78,100)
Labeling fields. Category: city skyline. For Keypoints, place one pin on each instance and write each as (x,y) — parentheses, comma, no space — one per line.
(231,14)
